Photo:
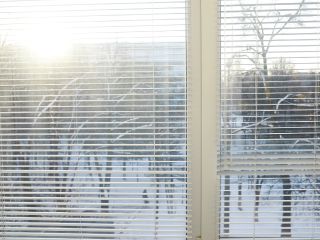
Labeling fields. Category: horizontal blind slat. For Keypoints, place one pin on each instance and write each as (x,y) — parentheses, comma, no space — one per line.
(94,109)
(270,128)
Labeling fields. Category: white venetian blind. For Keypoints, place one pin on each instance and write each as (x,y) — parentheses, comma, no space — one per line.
(93,119)
(269,141)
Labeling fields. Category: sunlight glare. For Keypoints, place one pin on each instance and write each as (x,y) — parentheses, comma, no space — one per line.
(47,41)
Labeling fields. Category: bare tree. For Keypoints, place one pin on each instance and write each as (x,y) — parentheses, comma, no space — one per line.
(282,67)
(256,22)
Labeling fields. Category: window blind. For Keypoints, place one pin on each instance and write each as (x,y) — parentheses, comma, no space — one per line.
(93,120)
(269,140)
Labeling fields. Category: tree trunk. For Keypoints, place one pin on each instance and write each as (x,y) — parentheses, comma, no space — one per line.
(103,186)
(286,206)
(226,205)
(239,194)
(265,63)
(265,73)
(257,193)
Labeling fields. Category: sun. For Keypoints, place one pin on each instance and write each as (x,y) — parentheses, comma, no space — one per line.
(47,41)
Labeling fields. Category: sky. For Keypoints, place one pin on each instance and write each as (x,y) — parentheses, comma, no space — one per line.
(93,20)
(298,42)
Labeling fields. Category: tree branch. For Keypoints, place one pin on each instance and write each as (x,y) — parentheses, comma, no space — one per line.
(291,17)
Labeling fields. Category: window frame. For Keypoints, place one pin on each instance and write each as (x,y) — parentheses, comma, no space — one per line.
(205,115)
(204,109)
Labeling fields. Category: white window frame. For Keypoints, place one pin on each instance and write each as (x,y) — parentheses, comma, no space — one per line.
(204,131)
